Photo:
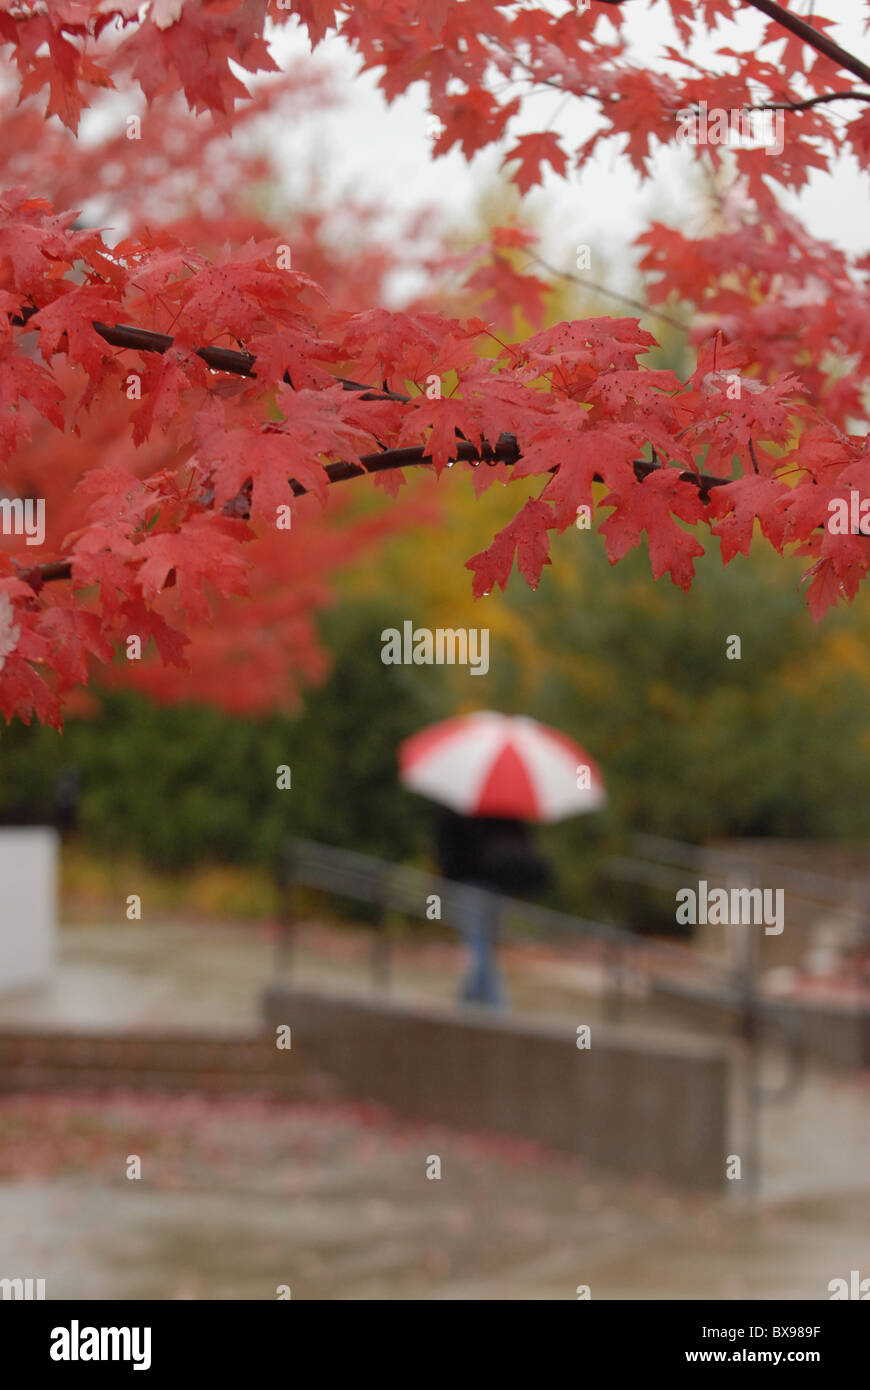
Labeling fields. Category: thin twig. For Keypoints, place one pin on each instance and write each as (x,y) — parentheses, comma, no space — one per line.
(752,455)
(613,294)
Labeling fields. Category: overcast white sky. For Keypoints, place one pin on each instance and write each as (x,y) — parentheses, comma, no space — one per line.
(384,152)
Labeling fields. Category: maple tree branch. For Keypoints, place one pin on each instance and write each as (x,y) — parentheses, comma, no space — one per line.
(506,450)
(37,575)
(126,335)
(799,27)
(814,37)
(810,101)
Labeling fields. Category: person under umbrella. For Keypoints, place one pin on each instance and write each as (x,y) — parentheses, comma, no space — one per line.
(494,774)
(490,855)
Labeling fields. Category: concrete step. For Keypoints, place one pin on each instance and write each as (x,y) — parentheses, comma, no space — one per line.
(222,1064)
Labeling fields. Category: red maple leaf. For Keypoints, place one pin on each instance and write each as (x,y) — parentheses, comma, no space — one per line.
(67,325)
(508,290)
(650,506)
(202,551)
(471,120)
(442,418)
(739,505)
(583,454)
(526,539)
(162,386)
(532,151)
(139,621)
(22,378)
(76,635)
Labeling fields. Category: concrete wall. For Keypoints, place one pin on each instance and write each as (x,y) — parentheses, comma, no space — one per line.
(834,1034)
(28,906)
(631,1102)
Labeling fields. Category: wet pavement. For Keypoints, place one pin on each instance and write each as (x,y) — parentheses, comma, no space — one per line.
(236,1200)
(238,1197)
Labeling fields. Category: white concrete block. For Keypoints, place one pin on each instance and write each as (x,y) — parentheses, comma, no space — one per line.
(29,858)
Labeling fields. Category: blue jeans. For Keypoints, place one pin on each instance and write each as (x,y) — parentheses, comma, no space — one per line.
(483,982)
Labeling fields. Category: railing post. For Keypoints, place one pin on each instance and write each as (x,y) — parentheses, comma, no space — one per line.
(285,878)
(614,995)
(750,1033)
(381,958)
(791,1028)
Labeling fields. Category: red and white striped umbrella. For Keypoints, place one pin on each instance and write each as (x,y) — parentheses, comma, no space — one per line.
(487,764)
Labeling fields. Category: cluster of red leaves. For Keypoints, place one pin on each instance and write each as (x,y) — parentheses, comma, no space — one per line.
(155,544)
(196,181)
(151,548)
(71,47)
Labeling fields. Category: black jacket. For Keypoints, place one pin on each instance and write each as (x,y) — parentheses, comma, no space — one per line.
(500,854)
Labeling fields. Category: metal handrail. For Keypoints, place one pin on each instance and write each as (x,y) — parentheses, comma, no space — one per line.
(403,889)
(677,853)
